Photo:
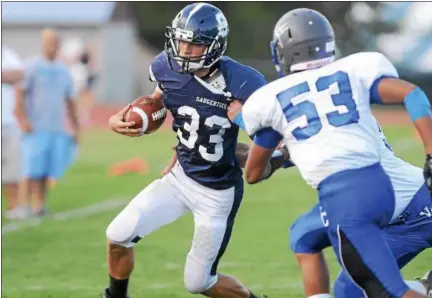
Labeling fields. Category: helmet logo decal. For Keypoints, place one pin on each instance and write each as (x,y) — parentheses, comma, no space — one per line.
(222,24)
(182,34)
(312,64)
(330,46)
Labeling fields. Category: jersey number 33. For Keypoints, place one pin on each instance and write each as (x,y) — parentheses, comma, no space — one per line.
(215,141)
(307,108)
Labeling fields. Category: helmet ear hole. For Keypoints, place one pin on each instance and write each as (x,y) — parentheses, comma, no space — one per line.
(289,33)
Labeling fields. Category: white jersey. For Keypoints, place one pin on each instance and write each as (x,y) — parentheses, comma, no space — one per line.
(323,115)
(10,61)
(406,178)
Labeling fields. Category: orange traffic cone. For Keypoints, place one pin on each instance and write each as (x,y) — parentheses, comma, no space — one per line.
(134,165)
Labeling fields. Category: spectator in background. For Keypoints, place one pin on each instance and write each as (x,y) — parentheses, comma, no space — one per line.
(42,100)
(12,73)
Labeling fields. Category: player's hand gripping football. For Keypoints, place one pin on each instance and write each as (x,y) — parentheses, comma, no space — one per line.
(427,172)
(118,125)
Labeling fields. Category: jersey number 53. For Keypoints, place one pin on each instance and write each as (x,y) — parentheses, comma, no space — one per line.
(307,108)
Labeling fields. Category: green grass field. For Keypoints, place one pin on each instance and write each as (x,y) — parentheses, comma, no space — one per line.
(65,256)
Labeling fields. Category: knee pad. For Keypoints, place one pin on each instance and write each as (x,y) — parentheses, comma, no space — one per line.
(122,230)
(197,278)
(307,238)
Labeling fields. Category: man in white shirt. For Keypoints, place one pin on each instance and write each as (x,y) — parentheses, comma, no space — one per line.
(12,73)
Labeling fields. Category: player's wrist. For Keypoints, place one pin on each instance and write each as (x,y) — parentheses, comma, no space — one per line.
(238,120)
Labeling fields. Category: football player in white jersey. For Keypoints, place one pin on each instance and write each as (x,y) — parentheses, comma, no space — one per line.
(408,233)
(322,112)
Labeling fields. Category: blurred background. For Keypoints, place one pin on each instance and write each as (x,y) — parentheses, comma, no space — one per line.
(107,47)
(123,37)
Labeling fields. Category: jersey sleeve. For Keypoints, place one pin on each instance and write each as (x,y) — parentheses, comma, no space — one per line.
(253,81)
(12,61)
(373,68)
(244,81)
(151,75)
(258,111)
(156,69)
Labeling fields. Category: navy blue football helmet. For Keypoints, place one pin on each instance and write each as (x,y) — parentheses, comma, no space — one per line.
(198,23)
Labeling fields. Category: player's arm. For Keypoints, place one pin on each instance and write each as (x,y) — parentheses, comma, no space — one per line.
(392,90)
(235,115)
(11,77)
(20,112)
(279,159)
(21,89)
(261,115)
(397,91)
(382,80)
(241,154)
(263,160)
(157,93)
(259,165)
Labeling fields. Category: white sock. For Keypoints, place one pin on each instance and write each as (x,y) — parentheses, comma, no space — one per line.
(416,286)
(320,296)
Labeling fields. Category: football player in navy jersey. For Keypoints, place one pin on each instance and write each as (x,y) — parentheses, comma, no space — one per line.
(196,83)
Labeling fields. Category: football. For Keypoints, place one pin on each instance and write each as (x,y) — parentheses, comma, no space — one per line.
(147,113)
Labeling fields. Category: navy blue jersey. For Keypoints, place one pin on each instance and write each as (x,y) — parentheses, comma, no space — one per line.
(207,138)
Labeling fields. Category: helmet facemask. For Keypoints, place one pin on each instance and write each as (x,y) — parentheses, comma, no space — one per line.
(213,51)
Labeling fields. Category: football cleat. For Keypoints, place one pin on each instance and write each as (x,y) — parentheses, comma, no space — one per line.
(106,294)
(427,282)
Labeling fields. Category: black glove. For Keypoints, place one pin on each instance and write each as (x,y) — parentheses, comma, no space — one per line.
(427,172)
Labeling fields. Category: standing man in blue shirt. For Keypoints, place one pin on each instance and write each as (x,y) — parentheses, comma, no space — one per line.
(43,99)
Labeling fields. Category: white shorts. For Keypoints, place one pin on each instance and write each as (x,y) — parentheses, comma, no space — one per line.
(167,199)
(11,155)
